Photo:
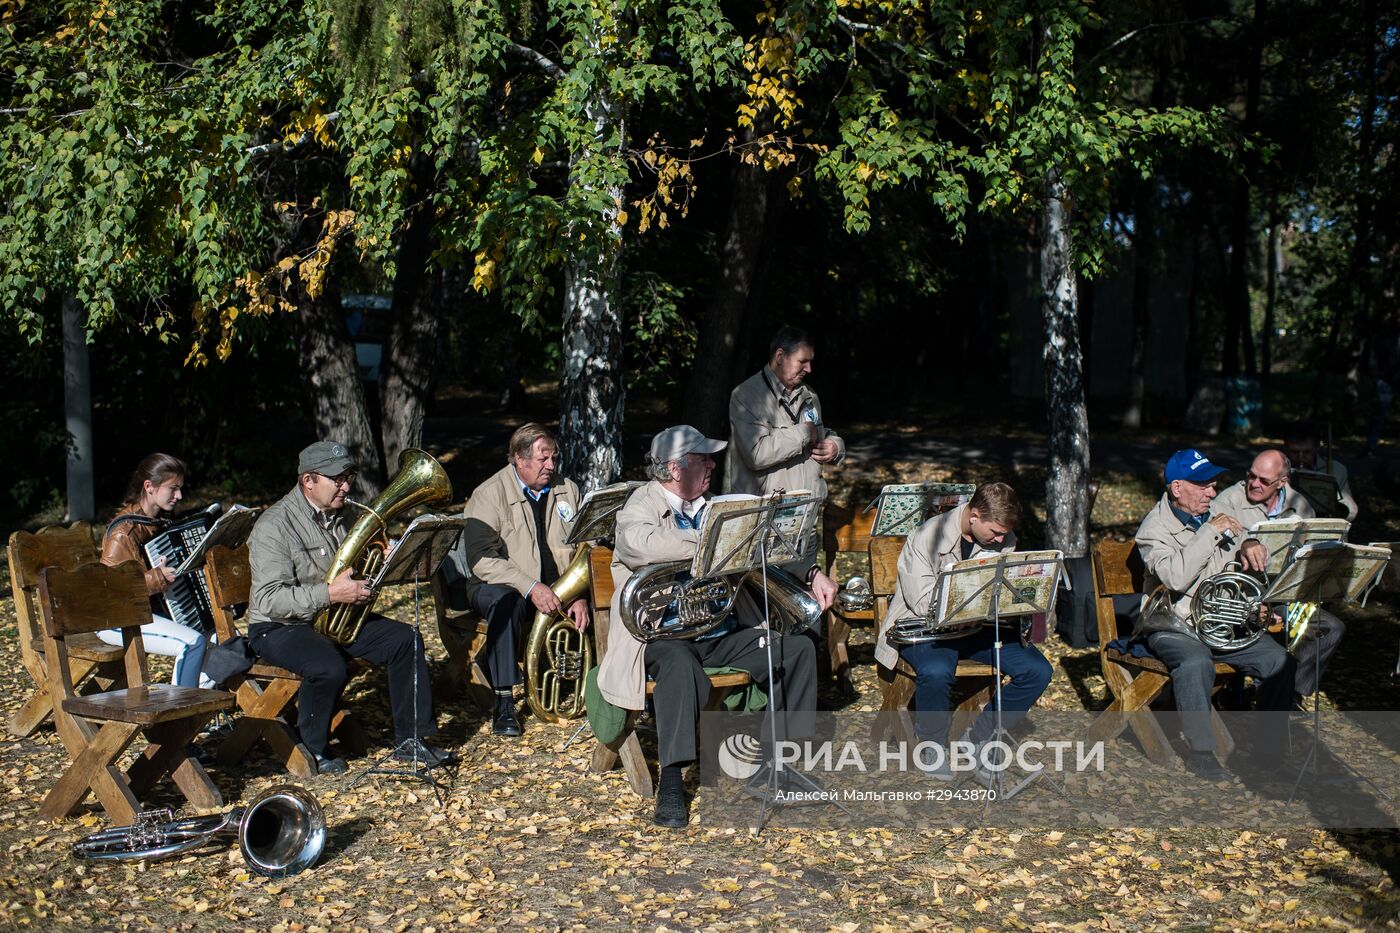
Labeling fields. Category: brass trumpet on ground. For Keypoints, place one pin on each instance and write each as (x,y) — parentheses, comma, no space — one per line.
(558,655)
(420,480)
(280,832)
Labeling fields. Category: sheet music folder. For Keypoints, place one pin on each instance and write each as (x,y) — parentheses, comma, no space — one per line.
(734,536)
(597,513)
(1329,570)
(417,555)
(231,530)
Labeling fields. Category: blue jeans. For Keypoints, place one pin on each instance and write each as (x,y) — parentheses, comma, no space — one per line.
(935,667)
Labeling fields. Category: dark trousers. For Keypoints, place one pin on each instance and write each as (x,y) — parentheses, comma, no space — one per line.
(321,664)
(683,687)
(506,613)
(935,667)
(1192,667)
(1319,643)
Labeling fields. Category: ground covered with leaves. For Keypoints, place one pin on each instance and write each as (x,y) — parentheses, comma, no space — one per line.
(527,837)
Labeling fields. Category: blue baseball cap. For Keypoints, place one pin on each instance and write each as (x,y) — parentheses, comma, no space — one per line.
(1192,466)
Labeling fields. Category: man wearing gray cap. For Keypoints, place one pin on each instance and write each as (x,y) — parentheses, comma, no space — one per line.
(290,551)
(661,523)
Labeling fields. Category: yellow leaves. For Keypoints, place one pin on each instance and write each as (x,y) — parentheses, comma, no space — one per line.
(311,123)
(484,267)
(537,156)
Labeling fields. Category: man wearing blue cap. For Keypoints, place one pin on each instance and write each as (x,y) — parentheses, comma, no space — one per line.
(1183,544)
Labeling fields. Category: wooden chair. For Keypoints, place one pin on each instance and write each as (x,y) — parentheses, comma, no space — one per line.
(89,599)
(844,530)
(265,693)
(1135,683)
(627,748)
(463,634)
(976,680)
(93,665)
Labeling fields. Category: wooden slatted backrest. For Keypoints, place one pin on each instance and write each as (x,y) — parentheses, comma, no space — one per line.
(29,553)
(91,598)
(600,577)
(230,581)
(1118,571)
(884,573)
(845,529)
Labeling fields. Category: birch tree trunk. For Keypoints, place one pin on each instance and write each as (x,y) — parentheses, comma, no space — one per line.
(77,413)
(591,388)
(1067,483)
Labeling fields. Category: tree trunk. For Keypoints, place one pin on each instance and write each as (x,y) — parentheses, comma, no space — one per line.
(1237,323)
(1067,484)
(77,413)
(706,403)
(406,374)
(591,388)
(1144,249)
(326,356)
(1275,263)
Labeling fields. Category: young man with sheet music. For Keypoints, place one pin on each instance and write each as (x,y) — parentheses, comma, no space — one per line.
(661,522)
(985,526)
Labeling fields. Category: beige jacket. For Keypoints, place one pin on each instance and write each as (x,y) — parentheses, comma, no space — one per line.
(930,549)
(1179,557)
(646,534)
(498,543)
(1234,502)
(768,450)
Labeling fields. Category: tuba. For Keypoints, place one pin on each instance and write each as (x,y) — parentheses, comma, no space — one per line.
(792,609)
(558,654)
(665,601)
(420,480)
(280,832)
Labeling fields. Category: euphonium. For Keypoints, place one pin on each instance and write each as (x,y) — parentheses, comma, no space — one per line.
(280,832)
(1295,623)
(420,480)
(558,654)
(664,601)
(792,609)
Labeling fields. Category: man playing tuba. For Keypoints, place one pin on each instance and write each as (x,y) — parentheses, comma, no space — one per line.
(292,546)
(511,551)
(658,524)
(1182,545)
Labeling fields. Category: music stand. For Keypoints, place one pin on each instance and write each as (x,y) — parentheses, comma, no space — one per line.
(903,507)
(780,524)
(413,558)
(1321,572)
(1030,579)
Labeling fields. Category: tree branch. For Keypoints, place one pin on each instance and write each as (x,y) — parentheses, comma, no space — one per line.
(545,63)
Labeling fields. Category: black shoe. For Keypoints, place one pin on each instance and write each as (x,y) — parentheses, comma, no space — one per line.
(1205,765)
(670,809)
(416,750)
(505,723)
(325,765)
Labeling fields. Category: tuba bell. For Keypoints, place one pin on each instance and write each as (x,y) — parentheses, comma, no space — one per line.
(557,654)
(664,601)
(792,609)
(420,480)
(280,832)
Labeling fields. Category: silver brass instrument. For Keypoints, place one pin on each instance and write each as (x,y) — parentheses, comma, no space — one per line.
(856,596)
(1224,611)
(558,655)
(420,480)
(664,601)
(920,630)
(280,832)
(792,609)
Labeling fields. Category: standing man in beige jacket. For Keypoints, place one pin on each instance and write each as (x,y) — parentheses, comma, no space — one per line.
(777,437)
(511,551)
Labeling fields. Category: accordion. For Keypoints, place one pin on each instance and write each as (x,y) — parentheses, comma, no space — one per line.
(187,600)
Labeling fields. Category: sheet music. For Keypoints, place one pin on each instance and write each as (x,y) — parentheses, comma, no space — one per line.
(417,555)
(965,591)
(1281,537)
(1329,570)
(597,513)
(728,543)
(903,507)
(231,530)
(1320,489)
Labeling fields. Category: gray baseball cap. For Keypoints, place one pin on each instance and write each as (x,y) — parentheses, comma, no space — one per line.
(674,443)
(325,457)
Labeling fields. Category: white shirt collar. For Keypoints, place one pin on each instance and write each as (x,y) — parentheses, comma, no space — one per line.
(688,509)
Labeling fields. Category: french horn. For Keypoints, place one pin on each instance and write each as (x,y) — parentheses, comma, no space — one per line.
(420,480)
(558,655)
(1224,612)
(280,832)
(663,601)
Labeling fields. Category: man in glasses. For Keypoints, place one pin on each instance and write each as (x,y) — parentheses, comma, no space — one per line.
(290,551)
(1264,495)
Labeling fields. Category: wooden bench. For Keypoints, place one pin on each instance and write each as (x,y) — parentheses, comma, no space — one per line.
(463,635)
(93,664)
(1135,683)
(627,748)
(91,598)
(265,693)
(844,530)
(897,686)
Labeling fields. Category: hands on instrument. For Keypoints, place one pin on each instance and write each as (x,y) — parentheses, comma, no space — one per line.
(823,590)
(165,572)
(350,591)
(578,611)
(1228,525)
(545,599)
(1254,556)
